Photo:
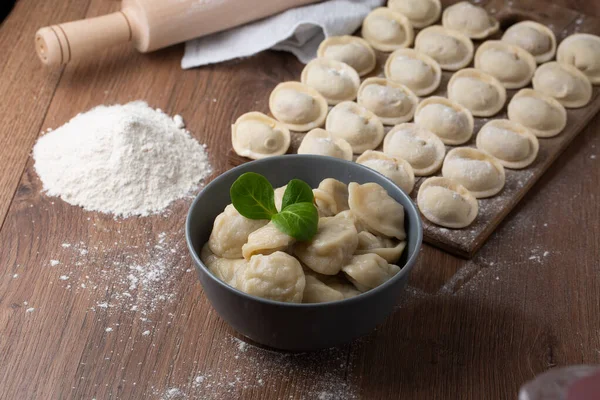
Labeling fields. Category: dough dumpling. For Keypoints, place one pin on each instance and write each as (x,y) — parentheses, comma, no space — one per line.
(541,114)
(420,13)
(298,106)
(480,93)
(478,172)
(226,269)
(417,71)
(331,197)
(380,213)
(316,291)
(266,240)
(510,64)
(469,19)
(320,142)
(356,125)
(255,135)
(450,121)
(335,80)
(394,168)
(230,232)
(533,37)
(278,197)
(392,103)
(387,30)
(277,276)
(447,203)
(510,142)
(367,271)
(332,246)
(423,150)
(568,85)
(582,51)
(450,48)
(352,50)
(386,248)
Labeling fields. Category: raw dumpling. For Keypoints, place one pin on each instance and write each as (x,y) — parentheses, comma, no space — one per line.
(386,248)
(423,150)
(226,269)
(298,106)
(332,246)
(510,64)
(451,49)
(582,51)
(391,102)
(478,172)
(387,30)
(367,271)
(352,50)
(356,125)
(254,135)
(417,71)
(276,276)
(534,37)
(394,168)
(472,20)
(320,142)
(230,232)
(335,80)
(266,240)
(510,142)
(420,13)
(568,85)
(331,197)
(316,291)
(450,121)
(447,203)
(541,114)
(480,93)
(380,213)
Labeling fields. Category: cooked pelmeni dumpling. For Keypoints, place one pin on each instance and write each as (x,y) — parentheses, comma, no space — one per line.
(568,85)
(534,37)
(356,125)
(335,80)
(226,269)
(480,93)
(277,276)
(421,13)
(298,106)
(255,135)
(386,248)
(472,20)
(387,30)
(510,64)
(380,213)
(417,71)
(346,289)
(278,197)
(331,197)
(230,232)
(450,121)
(320,142)
(395,168)
(582,51)
(316,291)
(266,240)
(391,102)
(326,205)
(332,246)
(352,50)
(423,150)
(479,172)
(541,114)
(510,142)
(367,271)
(450,48)
(447,203)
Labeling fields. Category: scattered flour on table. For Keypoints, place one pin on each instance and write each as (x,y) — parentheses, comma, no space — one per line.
(122,159)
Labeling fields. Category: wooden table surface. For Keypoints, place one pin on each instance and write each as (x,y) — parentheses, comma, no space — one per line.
(70,327)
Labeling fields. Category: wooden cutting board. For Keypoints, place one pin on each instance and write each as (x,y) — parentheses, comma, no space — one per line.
(465,242)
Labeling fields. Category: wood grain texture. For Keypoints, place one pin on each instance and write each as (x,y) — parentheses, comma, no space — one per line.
(477,329)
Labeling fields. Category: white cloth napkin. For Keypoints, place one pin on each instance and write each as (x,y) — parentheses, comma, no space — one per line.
(297,30)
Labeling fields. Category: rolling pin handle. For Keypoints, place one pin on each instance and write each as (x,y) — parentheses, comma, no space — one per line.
(60,44)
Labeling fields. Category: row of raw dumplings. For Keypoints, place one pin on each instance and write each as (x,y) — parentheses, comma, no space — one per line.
(356,248)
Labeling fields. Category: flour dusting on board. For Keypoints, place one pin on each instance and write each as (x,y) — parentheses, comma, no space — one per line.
(123,159)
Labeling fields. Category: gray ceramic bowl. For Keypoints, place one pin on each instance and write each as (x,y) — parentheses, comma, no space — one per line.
(299,327)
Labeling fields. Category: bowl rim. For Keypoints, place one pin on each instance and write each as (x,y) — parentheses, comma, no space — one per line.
(405,269)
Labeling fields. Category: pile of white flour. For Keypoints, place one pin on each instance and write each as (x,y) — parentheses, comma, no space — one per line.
(123,159)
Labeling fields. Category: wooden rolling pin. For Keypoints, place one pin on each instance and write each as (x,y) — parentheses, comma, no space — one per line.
(150,25)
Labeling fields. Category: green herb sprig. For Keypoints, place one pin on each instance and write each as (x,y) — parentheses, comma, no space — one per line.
(253,196)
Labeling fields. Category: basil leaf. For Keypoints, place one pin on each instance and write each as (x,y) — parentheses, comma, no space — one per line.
(297,191)
(299,220)
(252,196)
